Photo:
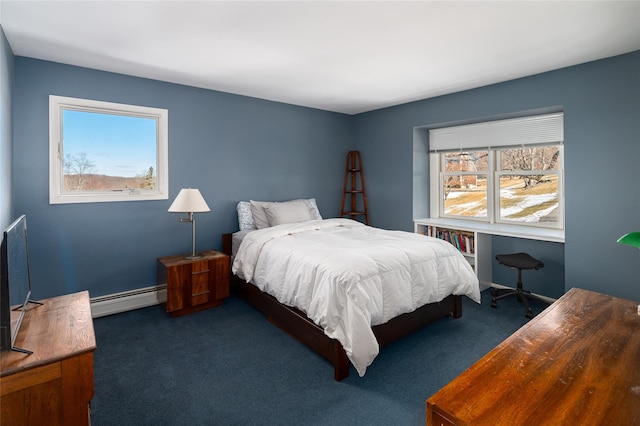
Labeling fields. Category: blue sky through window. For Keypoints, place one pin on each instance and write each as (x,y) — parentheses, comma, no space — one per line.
(117,145)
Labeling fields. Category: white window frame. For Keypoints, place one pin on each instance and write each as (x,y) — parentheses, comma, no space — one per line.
(57,195)
(492,137)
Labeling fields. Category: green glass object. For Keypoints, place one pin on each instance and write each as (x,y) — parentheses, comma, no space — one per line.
(632,239)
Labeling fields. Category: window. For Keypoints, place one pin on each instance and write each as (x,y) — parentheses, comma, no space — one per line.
(102,151)
(464,183)
(529,182)
(507,171)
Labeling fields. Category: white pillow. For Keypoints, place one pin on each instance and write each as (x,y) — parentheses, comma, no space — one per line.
(259,216)
(288,212)
(261,220)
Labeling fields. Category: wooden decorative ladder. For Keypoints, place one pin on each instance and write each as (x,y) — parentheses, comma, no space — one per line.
(354,186)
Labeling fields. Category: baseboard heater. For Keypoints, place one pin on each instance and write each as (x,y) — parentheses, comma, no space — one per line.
(127,300)
(141,298)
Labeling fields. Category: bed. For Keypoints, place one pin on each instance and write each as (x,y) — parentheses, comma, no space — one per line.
(343,288)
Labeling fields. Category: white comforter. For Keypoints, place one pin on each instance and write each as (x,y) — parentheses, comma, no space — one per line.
(347,276)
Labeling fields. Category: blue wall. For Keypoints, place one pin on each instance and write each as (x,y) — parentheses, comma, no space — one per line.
(234,148)
(601,103)
(230,147)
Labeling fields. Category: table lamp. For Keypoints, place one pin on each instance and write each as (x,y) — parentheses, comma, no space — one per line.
(632,239)
(190,201)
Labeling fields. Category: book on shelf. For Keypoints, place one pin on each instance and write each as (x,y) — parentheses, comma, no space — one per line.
(463,241)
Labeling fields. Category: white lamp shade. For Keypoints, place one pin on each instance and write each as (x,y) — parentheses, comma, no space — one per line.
(189,201)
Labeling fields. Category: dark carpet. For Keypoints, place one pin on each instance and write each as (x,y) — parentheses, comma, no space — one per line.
(230,366)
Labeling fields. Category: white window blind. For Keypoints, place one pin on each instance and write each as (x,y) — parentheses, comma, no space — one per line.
(533,130)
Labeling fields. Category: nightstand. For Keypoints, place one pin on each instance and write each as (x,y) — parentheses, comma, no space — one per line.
(194,284)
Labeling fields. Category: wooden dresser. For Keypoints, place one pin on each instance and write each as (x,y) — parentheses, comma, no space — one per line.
(577,363)
(53,385)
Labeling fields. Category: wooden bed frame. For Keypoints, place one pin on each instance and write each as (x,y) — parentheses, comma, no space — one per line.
(298,325)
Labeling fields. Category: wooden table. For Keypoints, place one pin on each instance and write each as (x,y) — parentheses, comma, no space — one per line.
(576,363)
(53,385)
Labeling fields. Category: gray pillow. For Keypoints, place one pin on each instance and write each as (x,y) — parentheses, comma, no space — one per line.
(259,216)
(288,212)
(261,220)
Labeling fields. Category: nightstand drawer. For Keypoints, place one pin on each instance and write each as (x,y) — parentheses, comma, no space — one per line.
(199,269)
(194,284)
(200,291)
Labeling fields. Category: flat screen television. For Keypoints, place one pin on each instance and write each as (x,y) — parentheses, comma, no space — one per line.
(15,282)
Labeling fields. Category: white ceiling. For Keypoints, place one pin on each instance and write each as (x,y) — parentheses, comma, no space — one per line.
(344,56)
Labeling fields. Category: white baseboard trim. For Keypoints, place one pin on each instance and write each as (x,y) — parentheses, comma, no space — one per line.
(127,300)
(504,287)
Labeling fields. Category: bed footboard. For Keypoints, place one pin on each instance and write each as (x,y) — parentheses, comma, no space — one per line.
(408,323)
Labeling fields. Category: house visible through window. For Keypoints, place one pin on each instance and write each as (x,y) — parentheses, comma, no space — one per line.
(102,151)
(507,171)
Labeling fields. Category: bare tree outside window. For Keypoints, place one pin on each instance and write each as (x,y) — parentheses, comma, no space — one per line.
(77,172)
(529,197)
(530,158)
